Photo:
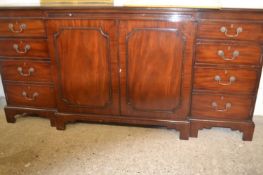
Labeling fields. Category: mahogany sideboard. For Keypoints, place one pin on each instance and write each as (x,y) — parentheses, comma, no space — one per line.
(180,68)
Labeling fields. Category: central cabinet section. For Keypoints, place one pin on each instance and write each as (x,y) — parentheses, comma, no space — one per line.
(156,68)
(131,68)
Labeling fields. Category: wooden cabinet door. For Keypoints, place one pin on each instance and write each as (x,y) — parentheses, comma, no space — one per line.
(84,57)
(156,68)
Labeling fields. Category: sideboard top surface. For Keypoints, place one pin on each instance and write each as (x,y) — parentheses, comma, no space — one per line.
(183,5)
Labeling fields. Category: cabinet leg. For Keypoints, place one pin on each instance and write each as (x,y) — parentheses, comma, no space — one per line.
(60,124)
(10,116)
(183,128)
(52,122)
(248,133)
(184,133)
(193,130)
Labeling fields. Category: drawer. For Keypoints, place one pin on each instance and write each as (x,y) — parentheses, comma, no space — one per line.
(228,53)
(14,70)
(228,30)
(23,48)
(22,28)
(222,106)
(226,80)
(30,95)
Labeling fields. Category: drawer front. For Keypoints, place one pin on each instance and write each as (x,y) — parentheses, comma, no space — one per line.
(222,106)
(22,27)
(227,53)
(227,30)
(23,48)
(30,95)
(225,80)
(14,70)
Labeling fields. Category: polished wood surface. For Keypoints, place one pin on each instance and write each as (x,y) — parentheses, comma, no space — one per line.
(43,99)
(38,48)
(152,82)
(84,52)
(33,71)
(250,32)
(245,80)
(184,69)
(209,52)
(246,127)
(34,28)
(240,107)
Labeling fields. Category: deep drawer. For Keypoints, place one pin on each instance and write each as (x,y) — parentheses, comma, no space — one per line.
(228,30)
(23,48)
(30,95)
(22,27)
(222,106)
(226,80)
(228,53)
(13,70)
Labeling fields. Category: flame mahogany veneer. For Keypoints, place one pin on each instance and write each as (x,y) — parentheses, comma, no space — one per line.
(184,69)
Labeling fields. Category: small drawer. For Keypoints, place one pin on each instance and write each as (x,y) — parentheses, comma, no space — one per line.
(30,95)
(228,30)
(226,80)
(24,48)
(14,70)
(222,106)
(22,28)
(228,53)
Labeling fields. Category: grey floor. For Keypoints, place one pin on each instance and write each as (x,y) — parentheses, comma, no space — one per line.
(32,147)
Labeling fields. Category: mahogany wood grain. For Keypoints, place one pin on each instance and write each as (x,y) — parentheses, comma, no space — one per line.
(246,127)
(130,65)
(34,28)
(41,70)
(240,109)
(245,79)
(86,65)
(38,48)
(249,53)
(21,13)
(44,99)
(154,56)
(64,118)
(211,30)
(13,113)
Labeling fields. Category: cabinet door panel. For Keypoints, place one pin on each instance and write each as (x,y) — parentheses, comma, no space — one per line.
(154,81)
(82,53)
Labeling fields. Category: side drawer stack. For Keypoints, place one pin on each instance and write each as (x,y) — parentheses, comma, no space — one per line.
(25,63)
(226,71)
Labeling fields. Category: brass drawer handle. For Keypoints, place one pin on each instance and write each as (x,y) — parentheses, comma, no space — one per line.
(26,49)
(227,107)
(22,27)
(232,79)
(30,71)
(221,53)
(224,30)
(34,96)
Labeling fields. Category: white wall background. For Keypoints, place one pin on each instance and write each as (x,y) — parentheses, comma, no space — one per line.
(259,104)
(258,108)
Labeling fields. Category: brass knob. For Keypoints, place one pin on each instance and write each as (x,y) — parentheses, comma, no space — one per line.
(18,50)
(224,30)
(215,107)
(232,79)
(22,27)
(221,53)
(30,71)
(26,96)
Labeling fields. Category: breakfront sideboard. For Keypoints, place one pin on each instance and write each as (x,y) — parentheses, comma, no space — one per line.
(180,68)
